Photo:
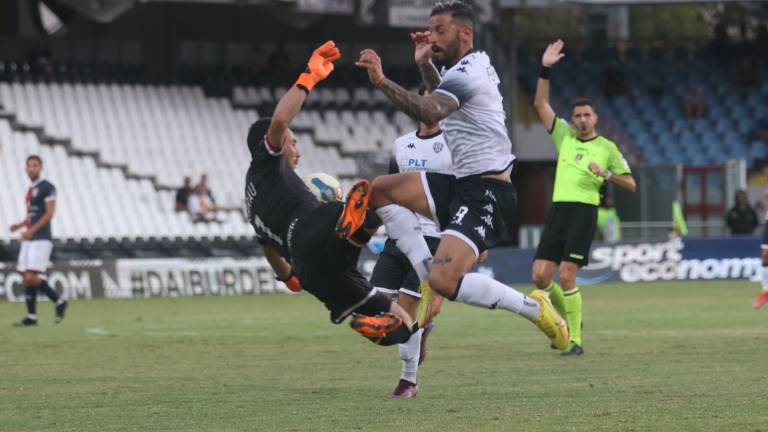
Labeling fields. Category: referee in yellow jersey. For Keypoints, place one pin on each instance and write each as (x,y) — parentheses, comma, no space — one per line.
(585,161)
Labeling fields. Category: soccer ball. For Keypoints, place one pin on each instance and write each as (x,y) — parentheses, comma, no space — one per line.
(324,187)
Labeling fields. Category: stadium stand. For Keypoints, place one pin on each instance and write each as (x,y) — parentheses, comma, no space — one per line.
(98,202)
(650,114)
(139,140)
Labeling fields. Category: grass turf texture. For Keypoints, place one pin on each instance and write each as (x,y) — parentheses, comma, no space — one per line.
(662,356)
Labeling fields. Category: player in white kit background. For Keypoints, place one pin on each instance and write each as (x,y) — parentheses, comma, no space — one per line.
(474,207)
(37,243)
(423,150)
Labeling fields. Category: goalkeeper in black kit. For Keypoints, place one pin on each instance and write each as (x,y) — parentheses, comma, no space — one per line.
(298,234)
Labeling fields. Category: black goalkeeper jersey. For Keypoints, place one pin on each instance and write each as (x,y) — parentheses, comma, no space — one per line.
(275,198)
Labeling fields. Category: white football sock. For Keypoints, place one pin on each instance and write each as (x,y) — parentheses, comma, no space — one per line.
(409,354)
(765,278)
(480,290)
(405,229)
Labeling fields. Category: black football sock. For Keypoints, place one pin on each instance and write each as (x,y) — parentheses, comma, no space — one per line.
(30,297)
(48,291)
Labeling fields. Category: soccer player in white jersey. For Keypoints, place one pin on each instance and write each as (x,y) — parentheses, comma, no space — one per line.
(474,207)
(763,297)
(421,150)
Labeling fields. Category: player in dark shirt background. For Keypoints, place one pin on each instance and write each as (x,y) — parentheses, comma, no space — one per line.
(298,234)
(37,243)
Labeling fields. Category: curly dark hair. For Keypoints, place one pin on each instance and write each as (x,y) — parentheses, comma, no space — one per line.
(458,9)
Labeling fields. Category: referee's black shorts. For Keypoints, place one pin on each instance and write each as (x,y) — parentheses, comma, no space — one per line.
(568,233)
(327,266)
(394,273)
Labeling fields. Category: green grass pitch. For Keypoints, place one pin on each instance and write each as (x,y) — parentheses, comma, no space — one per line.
(659,357)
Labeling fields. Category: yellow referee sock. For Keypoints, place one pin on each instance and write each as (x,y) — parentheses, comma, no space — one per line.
(556,297)
(572,301)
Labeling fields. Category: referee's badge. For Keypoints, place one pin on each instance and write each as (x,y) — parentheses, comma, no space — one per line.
(579,157)
(437,146)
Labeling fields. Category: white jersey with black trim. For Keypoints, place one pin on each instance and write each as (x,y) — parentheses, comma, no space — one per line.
(428,153)
(476,133)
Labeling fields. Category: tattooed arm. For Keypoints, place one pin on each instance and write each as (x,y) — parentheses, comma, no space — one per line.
(429,75)
(423,57)
(429,109)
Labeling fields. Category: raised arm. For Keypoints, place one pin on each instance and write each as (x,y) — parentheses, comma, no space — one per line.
(423,55)
(429,109)
(320,65)
(541,101)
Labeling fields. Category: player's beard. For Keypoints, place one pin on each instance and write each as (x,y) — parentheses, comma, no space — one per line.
(451,53)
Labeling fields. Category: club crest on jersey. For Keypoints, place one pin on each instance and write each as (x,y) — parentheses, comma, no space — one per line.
(437,146)
(34,192)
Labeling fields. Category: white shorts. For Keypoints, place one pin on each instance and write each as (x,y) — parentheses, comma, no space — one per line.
(35,255)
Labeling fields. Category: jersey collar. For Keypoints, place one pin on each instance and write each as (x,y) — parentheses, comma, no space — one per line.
(37,182)
(588,140)
(430,136)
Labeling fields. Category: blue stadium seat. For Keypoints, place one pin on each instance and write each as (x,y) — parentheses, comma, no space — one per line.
(665,138)
(702,127)
(689,139)
(680,125)
(758,149)
(740,111)
(723,125)
(744,125)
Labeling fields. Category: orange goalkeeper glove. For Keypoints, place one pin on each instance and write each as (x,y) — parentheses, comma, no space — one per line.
(292,282)
(320,65)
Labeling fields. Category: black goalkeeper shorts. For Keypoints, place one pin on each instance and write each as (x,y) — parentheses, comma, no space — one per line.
(327,266)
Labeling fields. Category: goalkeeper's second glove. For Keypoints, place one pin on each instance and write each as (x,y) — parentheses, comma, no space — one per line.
(320,65)
(292,282)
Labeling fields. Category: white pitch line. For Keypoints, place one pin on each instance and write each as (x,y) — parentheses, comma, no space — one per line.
(98,331)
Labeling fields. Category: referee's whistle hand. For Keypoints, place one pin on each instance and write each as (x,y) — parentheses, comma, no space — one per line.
(596,169)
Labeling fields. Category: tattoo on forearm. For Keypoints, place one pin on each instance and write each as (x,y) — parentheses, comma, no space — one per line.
(439,261)
(430,76)
(418,107)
